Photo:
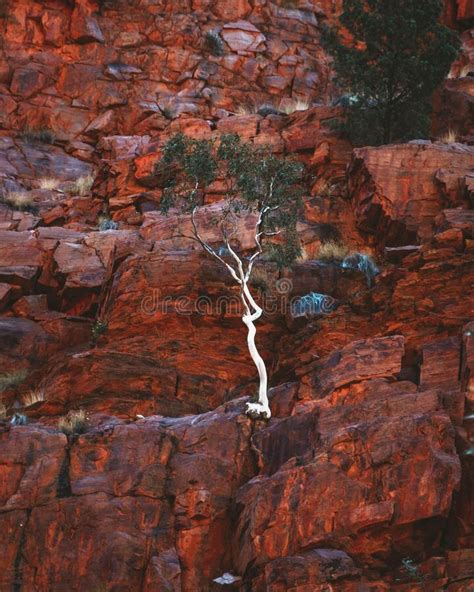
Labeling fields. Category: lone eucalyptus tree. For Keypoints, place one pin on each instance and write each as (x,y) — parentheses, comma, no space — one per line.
(256,183)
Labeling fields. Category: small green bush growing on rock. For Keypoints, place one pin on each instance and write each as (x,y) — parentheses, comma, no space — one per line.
(399,54)
(19,419)
(214,43)
(106,223)
(41,135)
(99,328)
(364,263)
(410,567)
(339,254)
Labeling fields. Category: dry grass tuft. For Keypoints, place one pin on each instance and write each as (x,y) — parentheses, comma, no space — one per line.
(75,422)
(42,135)
(285,107)
(49,183)
(12,380)
(326,188)
(20,200)
(292,106)
(33,397)
(304,255)
(332,251)
(3,410)
(450,137)
(82,186)
(248,109)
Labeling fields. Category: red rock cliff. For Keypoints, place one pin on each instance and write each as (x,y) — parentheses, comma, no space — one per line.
(362,480)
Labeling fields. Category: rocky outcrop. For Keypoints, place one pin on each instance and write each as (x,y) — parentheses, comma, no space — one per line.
(465,9)
(167,488)
(94,67)
(399,190)
(362,479)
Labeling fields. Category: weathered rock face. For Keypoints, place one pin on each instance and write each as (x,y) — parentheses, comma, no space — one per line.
(154,500)
(465,10)
(96,67)
(399,190)
(149,502)
(363,478)
(159,310)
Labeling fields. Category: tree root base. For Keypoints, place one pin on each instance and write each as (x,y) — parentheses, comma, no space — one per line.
(258,411)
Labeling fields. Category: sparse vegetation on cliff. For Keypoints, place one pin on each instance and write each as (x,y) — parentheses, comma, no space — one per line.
(399,54)
(332,251)
(450,137)
(82,186)
(75,422)
(106,223)
(258,184)
(12,380)
(19,200)
(214,43)
(34,396)
(49,183)
(41,135)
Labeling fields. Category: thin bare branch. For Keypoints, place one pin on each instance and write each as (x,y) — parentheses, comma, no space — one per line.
(211,251)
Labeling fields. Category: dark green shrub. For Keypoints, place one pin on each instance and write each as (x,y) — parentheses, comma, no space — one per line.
(214,43)
(41,135)
(99,328)
(399,55)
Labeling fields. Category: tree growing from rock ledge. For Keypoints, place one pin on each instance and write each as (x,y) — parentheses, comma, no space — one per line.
(257,183)
(397,55)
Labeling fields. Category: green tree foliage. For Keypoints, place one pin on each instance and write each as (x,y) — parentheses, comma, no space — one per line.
(399,54)
(256,181)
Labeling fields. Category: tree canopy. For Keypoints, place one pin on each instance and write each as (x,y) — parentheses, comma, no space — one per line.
(255,181)
(397,54)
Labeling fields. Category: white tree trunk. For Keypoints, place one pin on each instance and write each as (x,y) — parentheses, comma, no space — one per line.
(262,406)
(252,311)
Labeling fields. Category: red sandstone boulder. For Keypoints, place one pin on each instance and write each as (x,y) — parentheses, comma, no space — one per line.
(242,36)
(84,27)
(231,10)
(399,190)
(173,233)
(465,9)
(31,464)
(288,511)
(311,570)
